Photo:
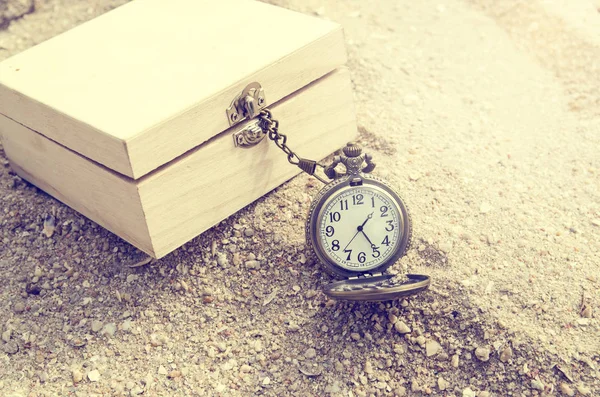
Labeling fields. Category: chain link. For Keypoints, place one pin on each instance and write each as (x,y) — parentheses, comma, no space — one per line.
(271,127)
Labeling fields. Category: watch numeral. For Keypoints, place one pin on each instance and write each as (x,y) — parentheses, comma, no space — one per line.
(334,217)
(376,253)
(343,205)
(357,199)
(329,231)
(362,257)
(335,245)
(386,241)
(390,226)
(372,202)
(384,211)
(349,252)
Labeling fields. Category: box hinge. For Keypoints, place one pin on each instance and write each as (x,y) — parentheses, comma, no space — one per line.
(247,104)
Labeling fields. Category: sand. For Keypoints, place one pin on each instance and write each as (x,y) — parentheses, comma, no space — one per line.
(485,117)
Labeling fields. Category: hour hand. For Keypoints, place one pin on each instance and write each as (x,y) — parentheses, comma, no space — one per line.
(365,222)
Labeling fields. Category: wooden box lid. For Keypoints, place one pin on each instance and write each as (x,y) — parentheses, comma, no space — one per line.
(138,86)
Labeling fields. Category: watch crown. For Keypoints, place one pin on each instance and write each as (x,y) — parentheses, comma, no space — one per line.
(352,150)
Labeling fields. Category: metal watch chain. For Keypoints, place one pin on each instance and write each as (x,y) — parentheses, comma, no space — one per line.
(271,127)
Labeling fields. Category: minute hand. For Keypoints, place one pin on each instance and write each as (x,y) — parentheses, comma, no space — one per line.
(368,239)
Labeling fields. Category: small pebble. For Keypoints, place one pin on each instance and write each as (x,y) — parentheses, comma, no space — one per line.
(468,392)
(19,307)
(6,335)
(482,353)
(174,374)
(401,327)
(587,312)
(442,383)
(506,354)
(537,384)
(77,376)
(432,348)
(566,390)
(11,347)
(249,232)
(253,264)
(96,325)
(455,361)
(94,376)
(584,390)
(310,353)
(355,336)
(414,386)
(109,329)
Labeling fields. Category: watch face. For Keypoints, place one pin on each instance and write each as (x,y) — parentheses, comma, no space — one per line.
(361,228)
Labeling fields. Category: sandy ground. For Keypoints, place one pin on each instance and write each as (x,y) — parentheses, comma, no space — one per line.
(484,115)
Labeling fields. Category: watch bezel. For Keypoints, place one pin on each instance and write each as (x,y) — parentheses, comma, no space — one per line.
(328,192)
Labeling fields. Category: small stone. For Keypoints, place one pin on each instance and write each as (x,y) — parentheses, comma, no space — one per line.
(468,392)
(38,272)
(483,393)
(506,354)
(310,353)
(174,374)
(222,260)
(333,388)
(136,391)
(415,176)
(421,340)
(248,232)
(455,361)
(6,335)
(368,368)
(414,386)
(245,368)
(109,329)
(566,390)
(401,327)
(432,348)
(253,264)
(587,312)
(19,307)
(442,383)
(401,391)
(355,336)
(266,381)
(49,226)
(77,375)
(583,390)
(11,347)
(482,353)
(537,384)
(162,370)
(96,325)
(94,376)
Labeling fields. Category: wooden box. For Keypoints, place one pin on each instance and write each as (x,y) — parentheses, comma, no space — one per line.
(125,118)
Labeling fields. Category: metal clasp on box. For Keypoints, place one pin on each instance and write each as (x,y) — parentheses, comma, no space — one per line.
(247,104)
(249,136)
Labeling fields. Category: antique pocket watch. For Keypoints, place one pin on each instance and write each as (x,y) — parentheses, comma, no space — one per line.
(357,225)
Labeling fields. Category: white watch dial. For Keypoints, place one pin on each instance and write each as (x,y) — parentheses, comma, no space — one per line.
(359,228)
